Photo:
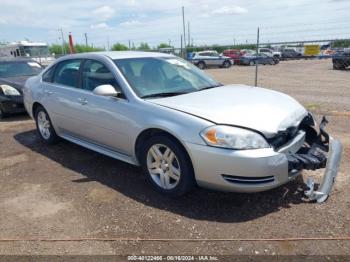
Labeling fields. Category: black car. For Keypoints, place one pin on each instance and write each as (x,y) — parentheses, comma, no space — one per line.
(252,59)
(13,74)
(341,60)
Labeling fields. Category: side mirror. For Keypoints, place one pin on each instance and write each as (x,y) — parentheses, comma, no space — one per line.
(105,90)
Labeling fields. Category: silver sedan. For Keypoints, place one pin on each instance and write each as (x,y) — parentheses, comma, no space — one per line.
(180,125)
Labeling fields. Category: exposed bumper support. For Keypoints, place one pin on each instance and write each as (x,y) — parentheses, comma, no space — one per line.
(325,151)
(333,162)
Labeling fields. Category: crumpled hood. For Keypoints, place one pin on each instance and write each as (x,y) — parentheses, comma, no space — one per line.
(263,110)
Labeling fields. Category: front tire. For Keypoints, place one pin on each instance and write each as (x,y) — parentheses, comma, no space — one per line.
(337,66)
(226,64)
(2,114)
(251,63)
(44,126)
(167,166)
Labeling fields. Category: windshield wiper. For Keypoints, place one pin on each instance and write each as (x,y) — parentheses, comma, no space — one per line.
(165,94)
(209,87)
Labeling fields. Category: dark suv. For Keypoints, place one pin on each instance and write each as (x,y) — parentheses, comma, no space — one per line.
(341,60)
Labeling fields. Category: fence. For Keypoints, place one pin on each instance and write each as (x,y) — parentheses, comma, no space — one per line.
(313,72)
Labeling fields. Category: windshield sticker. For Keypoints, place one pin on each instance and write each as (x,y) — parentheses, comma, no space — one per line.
(178,63)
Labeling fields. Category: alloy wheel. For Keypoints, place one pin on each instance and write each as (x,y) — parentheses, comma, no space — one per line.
(44,125)
(163,166)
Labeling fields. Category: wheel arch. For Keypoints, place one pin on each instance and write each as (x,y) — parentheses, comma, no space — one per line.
(201,62)
(35,106)
(150,132)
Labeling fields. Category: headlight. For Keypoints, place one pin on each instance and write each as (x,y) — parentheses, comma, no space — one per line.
(233,137)
(9,90)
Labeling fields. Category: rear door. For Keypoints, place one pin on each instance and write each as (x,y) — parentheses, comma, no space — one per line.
(61,97)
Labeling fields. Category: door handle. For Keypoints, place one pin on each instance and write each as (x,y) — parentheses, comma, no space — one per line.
(48,93)
(82,101)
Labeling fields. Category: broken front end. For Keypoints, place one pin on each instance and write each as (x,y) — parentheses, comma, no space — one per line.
(318,151)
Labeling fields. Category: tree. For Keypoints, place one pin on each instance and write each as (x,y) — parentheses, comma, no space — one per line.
(163,45)
(341,43)
(85,48)
(119,47)
(57,49)
(143,47)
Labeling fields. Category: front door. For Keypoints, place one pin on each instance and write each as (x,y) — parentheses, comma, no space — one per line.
(106,119)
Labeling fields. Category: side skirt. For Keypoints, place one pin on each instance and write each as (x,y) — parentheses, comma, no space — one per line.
(100,149)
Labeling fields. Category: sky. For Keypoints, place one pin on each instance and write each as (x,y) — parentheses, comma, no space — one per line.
(222,22)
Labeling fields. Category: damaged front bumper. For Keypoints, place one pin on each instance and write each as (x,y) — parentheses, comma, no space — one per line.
(323,151)
(257,170)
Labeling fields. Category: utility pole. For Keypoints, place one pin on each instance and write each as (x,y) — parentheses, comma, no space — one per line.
(257,58)
(129,45)
(63,43)
(184,29)
(188,33)
(169,42)
(181,47)
(86,39)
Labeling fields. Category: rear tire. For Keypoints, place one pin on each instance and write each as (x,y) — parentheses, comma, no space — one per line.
(44,126)
(201,65)
(167,166)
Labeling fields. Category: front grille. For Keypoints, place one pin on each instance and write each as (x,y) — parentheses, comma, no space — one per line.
(283,137)
(249,180)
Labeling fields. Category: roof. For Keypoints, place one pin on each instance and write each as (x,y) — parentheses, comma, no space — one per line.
(26,43)
(208,51)
(129,54)
(14,59)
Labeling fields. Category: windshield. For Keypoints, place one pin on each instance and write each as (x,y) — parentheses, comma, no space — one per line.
(16,68)
(36,51)
(157,75)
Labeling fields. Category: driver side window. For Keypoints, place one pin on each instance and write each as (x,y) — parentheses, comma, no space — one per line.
(95,74)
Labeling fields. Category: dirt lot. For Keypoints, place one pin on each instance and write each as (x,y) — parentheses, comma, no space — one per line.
(66,191)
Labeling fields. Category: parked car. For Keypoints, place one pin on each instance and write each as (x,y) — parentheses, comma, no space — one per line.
(270,52)
(206,59)
(13,74)
(341,60)
(248,52)
(249,59)
(180,125)
(234,54)
(288,53)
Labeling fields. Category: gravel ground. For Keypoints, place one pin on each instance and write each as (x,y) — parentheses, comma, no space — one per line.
(312,82)
(66,191)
